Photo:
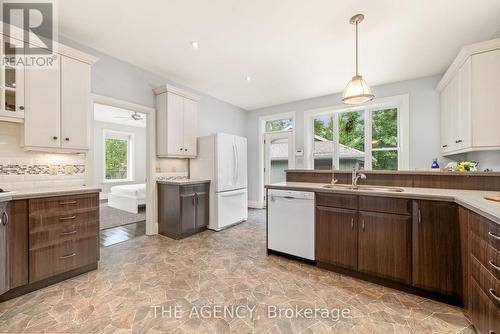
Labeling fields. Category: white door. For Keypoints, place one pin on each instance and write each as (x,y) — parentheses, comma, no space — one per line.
(241,162)
(175,124)
(190,126)
(75,103)
(278,156)
(42,121)
(226,162)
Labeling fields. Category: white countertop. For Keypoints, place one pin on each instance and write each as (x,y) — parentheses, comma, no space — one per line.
(53,191)
(471,199)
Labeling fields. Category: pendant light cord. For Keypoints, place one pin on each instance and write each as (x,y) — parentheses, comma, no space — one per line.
(356,48)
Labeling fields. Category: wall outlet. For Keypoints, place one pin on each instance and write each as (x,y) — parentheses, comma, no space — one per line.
(53,170)
(68,169)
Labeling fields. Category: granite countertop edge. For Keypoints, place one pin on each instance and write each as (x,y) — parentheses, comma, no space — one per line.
(29,194)
(471,199)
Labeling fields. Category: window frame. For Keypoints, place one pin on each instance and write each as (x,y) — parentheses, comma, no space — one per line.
(401,102)
(119,135)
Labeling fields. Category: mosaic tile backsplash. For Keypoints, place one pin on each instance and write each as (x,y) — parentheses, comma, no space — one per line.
(41,169)
(25,170)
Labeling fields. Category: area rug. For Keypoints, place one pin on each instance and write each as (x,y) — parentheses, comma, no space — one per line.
(111,217)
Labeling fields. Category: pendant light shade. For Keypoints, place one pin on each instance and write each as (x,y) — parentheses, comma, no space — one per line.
(357,90)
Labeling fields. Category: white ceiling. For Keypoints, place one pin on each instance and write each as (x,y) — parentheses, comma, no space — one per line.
(292,49)
(108,114)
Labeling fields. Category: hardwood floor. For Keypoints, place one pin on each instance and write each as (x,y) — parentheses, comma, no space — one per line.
(116,235)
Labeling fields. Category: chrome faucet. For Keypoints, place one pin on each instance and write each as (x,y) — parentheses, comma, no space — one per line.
(356,175)
(334,180)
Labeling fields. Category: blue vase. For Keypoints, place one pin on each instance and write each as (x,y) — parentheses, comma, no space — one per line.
(435,163)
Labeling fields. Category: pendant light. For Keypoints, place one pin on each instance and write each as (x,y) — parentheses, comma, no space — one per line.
(357,91)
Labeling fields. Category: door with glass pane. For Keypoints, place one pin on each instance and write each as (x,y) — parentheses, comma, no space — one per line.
(278,149)
(11,85)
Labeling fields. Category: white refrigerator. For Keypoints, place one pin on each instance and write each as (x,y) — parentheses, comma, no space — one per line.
(222,158)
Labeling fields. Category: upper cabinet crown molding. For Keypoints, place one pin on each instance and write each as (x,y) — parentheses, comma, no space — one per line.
(465,53)
(177,91)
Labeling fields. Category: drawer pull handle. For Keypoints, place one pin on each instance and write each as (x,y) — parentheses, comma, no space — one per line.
(493,294)
(494,235)
(67,218)
(68,202)
(67,233)
(67,256)
(491,263)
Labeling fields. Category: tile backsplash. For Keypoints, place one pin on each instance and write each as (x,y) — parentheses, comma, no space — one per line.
(21,170)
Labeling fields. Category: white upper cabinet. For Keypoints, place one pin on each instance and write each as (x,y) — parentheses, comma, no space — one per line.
(58,107)
(470,102)
(12,78)
(76,109)
(42,125)
(176,123)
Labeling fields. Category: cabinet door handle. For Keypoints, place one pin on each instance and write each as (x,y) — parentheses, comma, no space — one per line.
(196,198)
(185,149)
(458,141)
(67,218)
(444,146)
(67,233)
(67,256)
(68,202)
(363,225)
(494,235)
(5,218)
(67,139)
(492,264)
(419,216)
(352,223)
(21,107)
(180,149)
(55,137)
(192,200)
(494,295)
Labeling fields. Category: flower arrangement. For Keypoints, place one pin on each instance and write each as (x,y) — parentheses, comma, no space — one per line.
(467,166)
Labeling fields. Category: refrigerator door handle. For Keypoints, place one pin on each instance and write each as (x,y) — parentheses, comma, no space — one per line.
(235,163)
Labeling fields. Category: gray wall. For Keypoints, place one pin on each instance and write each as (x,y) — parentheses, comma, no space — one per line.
(424,123)
(118,79)
(139,154)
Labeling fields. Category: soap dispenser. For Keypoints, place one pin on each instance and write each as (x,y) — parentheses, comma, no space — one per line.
(435,163)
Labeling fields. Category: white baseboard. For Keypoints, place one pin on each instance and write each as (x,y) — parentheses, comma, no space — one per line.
(254,205)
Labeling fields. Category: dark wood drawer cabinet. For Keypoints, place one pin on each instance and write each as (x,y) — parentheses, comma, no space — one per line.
(485,315)
(400,206)
(51,239)
(337,237)
(62,257)
(183,209)
(63,234)
(337,201)
(384,245)
(436,248)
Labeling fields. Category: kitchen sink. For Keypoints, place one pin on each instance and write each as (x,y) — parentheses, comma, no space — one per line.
(364,188)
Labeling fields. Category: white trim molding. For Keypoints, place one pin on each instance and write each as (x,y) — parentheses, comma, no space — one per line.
(402,102)
(151,197)
(262,130)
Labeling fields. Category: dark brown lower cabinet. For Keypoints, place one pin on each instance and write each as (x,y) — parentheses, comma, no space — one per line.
(183,209)
(18,235)
(436,252)
(337,237)
(485,315)
(384,245)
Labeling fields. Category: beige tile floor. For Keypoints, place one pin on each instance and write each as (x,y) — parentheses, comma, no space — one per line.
(212,270)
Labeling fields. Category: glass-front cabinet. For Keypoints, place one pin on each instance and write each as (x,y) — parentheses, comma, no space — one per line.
(11,86)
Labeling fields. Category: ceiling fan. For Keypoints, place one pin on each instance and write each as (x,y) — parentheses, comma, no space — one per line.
(134,116)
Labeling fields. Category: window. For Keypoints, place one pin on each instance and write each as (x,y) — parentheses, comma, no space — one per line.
(117,156)
(279,125)
(366,138)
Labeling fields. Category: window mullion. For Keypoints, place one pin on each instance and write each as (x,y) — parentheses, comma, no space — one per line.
(336,138)
(368,139)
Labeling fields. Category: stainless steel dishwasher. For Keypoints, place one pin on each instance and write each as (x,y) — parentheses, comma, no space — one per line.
(4,250)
